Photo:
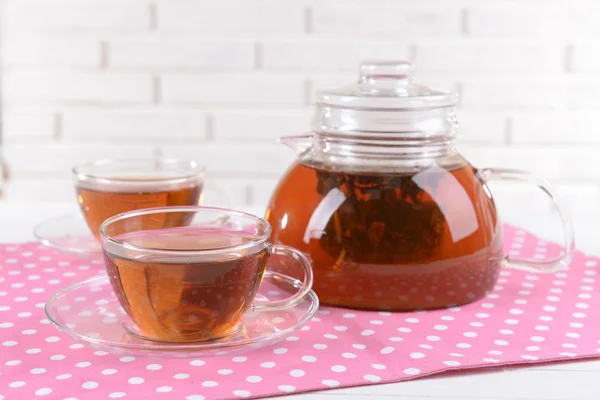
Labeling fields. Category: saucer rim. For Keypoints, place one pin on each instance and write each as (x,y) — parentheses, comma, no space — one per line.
(67,250)
(175,348)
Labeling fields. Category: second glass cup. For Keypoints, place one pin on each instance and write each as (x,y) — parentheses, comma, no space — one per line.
(109,187)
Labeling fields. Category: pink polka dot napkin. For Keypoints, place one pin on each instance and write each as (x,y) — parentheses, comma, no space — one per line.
(528,318)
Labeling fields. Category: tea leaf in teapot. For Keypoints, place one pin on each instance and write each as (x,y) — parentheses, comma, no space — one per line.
(384,219)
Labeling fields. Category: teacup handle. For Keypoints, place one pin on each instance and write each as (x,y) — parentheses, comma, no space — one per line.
(275,305)
(564,258)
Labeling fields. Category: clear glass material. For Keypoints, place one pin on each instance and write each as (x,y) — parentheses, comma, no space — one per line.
(70,235)
(534,265)
(189,274)
(385,85)
(108,187)
(101,323)
(390,214)
(385,122)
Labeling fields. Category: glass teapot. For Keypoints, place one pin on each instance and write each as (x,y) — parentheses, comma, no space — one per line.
(391,215)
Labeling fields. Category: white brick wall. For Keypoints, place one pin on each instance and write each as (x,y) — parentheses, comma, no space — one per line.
(140,125)
(258,125)
(517,20)
(57,87)
(29,124)
(483,128)
(489,56)
(574,127)
(233,89)
(55,160)
(385,19)
(328,54)
(34,50)
(538,19)
(220,81)
(238,18)
(585,56)
(181,54)
(235,160)
(77,16)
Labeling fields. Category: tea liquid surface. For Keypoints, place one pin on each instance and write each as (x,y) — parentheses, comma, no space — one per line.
(391,241)
(191,298)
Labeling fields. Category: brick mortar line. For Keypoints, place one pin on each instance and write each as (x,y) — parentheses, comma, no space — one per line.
(209,127)
(258,52)
(308,21)
(568,55)
(104,55)
(58,127)
(509,131)
(464,21)
(157,90)
(153,15)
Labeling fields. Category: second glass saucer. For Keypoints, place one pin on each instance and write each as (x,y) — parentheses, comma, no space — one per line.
(90,313)
(69,235)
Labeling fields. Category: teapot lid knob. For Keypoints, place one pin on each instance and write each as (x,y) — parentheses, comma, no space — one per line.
(385,69)
(385,76)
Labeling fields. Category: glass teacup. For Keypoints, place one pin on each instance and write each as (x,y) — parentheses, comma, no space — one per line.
(109,187)
(192,279)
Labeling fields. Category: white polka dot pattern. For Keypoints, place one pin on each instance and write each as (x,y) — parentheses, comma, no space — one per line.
(528,318)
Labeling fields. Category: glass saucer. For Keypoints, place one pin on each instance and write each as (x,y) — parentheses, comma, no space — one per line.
(69,235)
(90,313)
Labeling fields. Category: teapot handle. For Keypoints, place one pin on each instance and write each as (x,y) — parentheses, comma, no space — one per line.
(564,258)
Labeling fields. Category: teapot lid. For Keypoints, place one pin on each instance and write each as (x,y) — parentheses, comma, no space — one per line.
(386,85)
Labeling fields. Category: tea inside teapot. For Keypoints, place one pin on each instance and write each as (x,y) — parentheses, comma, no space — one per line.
(391,241)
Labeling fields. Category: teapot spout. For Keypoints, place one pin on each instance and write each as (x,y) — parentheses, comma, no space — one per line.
(300,143)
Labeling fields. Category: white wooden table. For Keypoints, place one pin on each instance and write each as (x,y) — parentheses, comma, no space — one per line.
(577,380)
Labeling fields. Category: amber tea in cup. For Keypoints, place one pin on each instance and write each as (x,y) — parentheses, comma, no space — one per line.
(194,280)
(108,187)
